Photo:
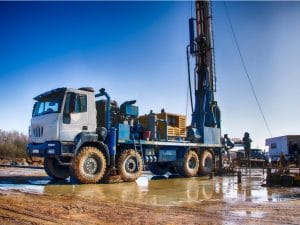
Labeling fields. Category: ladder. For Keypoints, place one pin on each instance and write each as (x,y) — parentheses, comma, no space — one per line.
(138,147)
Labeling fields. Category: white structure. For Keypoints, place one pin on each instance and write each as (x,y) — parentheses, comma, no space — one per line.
(289,145)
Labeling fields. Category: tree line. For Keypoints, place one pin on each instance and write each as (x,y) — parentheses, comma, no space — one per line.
(12,144)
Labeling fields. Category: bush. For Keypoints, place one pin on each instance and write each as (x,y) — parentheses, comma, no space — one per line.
(12,144)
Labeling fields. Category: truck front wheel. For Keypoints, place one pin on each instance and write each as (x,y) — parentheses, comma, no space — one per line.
(55,170)
(89,165)
(130,165)
(206,163)
(190,165)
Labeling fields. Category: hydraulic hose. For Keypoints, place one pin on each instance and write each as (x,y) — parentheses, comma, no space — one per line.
(189,76)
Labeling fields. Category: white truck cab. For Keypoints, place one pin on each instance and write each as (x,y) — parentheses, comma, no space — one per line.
(58,116)
(63,120)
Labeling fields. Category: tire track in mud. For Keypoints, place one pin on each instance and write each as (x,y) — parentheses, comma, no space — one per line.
(13,217)
(37,209)
(29,208)
(27,216)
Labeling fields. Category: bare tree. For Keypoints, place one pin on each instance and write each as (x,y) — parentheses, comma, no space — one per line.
(12,144)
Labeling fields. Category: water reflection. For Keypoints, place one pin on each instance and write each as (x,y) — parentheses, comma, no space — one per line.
(159,190)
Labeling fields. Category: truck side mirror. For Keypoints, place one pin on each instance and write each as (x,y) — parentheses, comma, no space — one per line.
(69,108)
(72,103)
(34,107)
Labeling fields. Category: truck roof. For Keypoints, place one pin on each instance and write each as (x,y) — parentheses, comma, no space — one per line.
(89,89)
(287,136)
(57,90)
(53,91)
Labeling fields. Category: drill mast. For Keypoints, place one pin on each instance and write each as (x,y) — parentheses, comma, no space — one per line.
(206,114)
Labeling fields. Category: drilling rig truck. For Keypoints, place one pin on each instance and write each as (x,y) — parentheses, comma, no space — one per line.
(88,136)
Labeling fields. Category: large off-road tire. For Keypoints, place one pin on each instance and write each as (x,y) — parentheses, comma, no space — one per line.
(206,163)
(159,168)
(190,165)
(89,165)
(55,170)
(130,165)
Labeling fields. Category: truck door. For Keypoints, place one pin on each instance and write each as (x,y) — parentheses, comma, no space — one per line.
(75,116)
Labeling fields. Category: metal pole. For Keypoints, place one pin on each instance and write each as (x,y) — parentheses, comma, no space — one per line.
(269,175)
(239,175)
(250,167)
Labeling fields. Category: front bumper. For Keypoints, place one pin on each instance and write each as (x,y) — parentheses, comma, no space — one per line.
(47,149)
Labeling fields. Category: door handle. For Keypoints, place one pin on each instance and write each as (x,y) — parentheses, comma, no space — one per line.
(84,127)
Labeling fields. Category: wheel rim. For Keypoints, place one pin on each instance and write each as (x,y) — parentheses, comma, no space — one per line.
(91,165)
(131,165)
(192,163)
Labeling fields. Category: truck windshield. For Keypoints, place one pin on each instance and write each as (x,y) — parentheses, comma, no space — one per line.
(47,104)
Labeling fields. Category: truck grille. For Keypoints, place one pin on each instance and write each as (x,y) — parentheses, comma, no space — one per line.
(38,131)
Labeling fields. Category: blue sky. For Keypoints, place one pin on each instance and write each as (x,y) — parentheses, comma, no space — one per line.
(136,50)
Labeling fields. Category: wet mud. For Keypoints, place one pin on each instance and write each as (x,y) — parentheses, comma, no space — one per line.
(28,196)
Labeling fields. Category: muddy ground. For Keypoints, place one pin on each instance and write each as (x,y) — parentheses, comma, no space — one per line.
(28,196)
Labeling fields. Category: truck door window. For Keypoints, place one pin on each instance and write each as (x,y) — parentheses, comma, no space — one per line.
(75,103)
(80,103)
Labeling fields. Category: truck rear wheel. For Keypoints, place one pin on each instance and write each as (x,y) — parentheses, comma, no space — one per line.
(89,165)
(55,170)
(206,163)
(130,165)
(159,168)
(190,165)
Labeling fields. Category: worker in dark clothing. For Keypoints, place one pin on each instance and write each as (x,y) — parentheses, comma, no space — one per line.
(247,146)
(228,145)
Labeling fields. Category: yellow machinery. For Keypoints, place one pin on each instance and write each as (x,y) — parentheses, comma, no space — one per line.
(164,125)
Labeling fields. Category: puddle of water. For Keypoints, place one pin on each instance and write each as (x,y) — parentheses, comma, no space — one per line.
(26,188)
(160,190)
(177,191)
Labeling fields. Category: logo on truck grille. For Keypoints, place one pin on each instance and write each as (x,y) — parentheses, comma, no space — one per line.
(38,131)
